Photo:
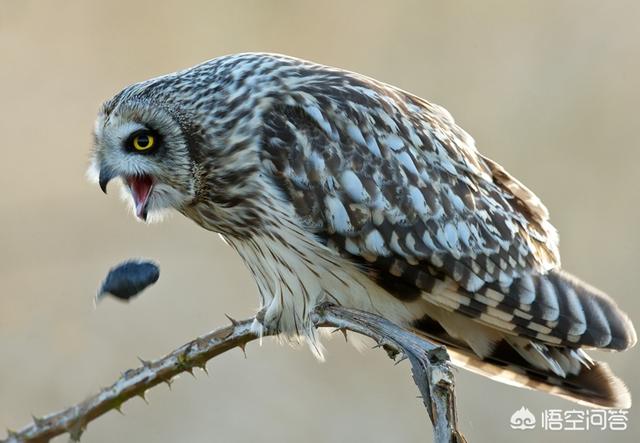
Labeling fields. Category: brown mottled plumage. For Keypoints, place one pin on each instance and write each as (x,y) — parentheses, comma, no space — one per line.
(335,187)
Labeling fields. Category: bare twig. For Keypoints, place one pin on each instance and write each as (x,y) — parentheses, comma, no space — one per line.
(430,366)
(135,382)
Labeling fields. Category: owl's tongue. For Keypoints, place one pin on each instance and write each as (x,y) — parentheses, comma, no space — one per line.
(140,189)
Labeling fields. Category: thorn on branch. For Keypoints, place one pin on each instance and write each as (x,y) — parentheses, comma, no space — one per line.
(77,430)
(203,366)
(344,333)
(402,357)
(117,405)
(37,420)
(184,363)
(145,363)
(391,351)
(143,396)
(233,321)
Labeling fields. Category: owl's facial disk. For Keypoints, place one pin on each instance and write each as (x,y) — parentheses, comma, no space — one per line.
(148,152)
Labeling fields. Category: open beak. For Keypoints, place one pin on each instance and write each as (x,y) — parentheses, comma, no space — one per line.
(140,186)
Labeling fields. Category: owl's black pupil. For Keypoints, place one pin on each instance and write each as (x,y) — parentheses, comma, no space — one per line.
(143,140)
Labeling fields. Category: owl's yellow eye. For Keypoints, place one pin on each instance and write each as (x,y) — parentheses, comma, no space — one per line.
(143,142)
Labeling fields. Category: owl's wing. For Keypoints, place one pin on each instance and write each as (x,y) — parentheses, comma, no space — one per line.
(388,178)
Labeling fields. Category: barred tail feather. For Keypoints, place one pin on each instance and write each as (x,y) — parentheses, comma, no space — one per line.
(595,386)
(563,371)
(588,317)
(554,308)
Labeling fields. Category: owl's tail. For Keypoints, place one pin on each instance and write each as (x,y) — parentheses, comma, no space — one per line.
(594,385)
(562,371)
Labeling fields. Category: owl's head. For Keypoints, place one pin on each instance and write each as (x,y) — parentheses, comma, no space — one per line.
(190,141)
(143,144)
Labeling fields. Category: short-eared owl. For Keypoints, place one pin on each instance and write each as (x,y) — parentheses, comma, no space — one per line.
(334,187)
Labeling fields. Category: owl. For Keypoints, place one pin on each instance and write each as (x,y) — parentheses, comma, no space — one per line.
(334,187)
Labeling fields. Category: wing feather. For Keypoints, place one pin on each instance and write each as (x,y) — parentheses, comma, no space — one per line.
(386,177)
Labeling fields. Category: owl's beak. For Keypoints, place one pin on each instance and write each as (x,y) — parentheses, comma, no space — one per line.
(106,175)
(140,186)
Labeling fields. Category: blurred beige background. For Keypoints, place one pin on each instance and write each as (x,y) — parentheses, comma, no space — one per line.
(549,89)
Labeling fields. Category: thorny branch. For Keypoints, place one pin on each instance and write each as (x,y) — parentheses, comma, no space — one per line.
(430,367)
